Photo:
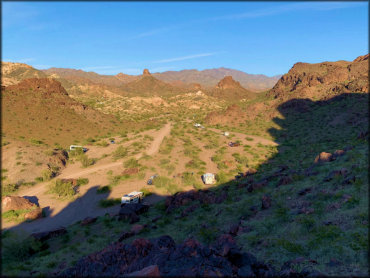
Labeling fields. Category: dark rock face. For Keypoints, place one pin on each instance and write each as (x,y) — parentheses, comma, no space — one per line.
(266,202)
(203,196)
(131,211)
(43,236)
(187,259)
(163,257)
(88,220)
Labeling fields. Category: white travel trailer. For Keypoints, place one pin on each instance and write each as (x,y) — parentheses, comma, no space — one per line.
(133,197)
(209,178)
(74,147)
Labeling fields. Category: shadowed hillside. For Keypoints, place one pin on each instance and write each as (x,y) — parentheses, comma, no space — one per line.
(299,214)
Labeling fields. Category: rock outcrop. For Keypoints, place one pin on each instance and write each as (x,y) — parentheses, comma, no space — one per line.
(233,114)
(323,80)
(163,257)
(146,72)
(16,203)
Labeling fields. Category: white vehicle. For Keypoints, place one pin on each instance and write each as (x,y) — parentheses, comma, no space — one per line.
(226,133)
(74,147)
(198,125)
(209,178)
(133,197)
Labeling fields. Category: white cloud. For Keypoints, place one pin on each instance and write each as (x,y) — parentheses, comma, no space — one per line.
(185,57)
(313,6)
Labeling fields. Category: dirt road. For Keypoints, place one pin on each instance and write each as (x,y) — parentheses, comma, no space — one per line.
(64,213)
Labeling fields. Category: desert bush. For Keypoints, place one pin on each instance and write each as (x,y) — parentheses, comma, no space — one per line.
(18,248)
(77,152)
(86,161)
(104,189)
(131,163)
(82,181)
(146,191)
(109,202)
(240,159)
(62,189)
(36,142)
(120,152)
(47,174)
(39,179)
(221,177)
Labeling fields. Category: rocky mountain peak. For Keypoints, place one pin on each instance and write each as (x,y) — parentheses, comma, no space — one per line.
(146,72)
(228,83)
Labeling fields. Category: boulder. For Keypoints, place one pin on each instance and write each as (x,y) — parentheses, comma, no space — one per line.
(33,214)
(246,271)
(88,220)
(131,211)
(324,157)
(266,202)
(125,235)
(137,228)
(285,180)
(339,153)
(149,271)
(42,236)
(16,203)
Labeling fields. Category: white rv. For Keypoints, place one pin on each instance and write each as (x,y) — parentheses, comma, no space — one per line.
(74,147)
(209,178)
(133,197)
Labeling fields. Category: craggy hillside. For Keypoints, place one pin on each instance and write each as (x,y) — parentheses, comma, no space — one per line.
(228,88)
(13,73)
(41,110)
(148,86)
(323,80)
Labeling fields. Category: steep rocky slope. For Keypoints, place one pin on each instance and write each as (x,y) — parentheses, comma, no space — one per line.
(323,80)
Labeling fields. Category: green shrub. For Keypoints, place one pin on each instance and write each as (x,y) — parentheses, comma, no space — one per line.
(82,181)
(109,202)
(46,174)
(146,191)
(120,152)
(18,248)
(131,163)
(62,189)
(85,161)
(36,142)
(39,179)
(104,189)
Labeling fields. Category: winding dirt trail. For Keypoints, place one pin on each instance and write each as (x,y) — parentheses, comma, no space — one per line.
(64,213)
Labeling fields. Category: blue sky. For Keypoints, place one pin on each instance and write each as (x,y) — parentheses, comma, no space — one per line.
(112,37)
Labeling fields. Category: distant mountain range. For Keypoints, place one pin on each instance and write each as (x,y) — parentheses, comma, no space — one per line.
(210,77)
(205,78)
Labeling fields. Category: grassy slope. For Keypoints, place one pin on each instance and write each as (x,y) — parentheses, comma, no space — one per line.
(276,234)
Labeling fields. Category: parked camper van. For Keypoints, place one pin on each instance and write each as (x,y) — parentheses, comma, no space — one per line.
(133,197)
(74,147)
